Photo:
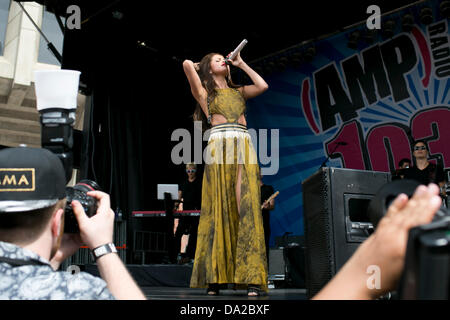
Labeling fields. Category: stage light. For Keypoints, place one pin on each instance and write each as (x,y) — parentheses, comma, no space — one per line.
(259,70)
(426,16)
(283,60)
(407,22)
(353,39)
(444,7)
(388,29)
(267,67)
(309,53)
(369,36)
(117,15)
(270,67)
(296,59)
(282,63)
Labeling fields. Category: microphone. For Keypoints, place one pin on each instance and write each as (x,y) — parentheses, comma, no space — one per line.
(236,51)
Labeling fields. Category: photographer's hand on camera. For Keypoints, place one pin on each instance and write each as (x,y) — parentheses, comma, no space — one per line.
(98,229)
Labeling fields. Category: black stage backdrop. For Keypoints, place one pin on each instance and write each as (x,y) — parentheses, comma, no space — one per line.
(136,99)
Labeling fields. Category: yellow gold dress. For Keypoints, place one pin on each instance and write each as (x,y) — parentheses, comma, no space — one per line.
(230,243)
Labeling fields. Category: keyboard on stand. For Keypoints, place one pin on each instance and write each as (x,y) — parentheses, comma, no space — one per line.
(150,214)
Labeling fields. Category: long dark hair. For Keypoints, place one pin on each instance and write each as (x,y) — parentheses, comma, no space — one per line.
(210,85)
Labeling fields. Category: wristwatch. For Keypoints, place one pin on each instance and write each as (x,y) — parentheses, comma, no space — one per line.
(103,250)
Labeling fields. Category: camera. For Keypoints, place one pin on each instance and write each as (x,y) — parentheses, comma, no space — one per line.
(79,193)
(56,101)
(426,274)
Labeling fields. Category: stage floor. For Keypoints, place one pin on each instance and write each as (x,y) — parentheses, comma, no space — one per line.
(171,282)
(174,293)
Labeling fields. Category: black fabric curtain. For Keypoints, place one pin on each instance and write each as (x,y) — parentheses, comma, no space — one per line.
(117,156)
(129,123)
(129,138)
(136,99)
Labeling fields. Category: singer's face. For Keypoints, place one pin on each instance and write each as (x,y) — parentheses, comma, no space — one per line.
(218,65)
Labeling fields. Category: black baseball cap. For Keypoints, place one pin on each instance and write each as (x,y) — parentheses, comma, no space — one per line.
(30,179)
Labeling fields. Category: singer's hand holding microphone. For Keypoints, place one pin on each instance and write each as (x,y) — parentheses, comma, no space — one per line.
(234,58)
(236,61)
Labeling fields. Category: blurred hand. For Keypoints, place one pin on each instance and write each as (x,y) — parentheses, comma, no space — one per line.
(386,248)
(98,229)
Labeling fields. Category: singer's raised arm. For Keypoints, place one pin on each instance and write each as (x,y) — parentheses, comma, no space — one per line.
(259,84)
(197,89)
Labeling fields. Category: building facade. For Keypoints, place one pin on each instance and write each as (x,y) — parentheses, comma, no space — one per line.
(22,51)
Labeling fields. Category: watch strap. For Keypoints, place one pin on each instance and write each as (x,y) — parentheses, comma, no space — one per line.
(103,250)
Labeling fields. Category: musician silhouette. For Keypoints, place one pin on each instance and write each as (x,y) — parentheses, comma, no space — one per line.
(267,206)
(185,228)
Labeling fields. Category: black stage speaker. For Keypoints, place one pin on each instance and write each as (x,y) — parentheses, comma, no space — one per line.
(335,203)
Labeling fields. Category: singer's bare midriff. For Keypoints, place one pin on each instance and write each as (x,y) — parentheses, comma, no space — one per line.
(217,119)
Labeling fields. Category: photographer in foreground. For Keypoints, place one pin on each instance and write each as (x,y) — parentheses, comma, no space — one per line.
(385,248)
(32,239)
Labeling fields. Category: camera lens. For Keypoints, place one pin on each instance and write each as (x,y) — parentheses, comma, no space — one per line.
(87,186)
(89,204)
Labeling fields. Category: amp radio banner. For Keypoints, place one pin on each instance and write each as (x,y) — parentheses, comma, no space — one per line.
(368,104)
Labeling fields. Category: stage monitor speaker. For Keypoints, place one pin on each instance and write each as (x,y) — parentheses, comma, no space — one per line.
(335,203)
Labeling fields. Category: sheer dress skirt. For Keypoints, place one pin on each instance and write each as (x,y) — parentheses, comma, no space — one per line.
(230,243)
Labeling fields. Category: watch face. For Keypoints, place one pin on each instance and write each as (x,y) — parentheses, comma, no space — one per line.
(101,251)
(107,248)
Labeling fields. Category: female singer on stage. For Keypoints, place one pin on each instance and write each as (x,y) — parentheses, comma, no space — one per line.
(230,243)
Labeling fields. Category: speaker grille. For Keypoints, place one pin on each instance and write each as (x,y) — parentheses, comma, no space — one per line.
(330,237)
